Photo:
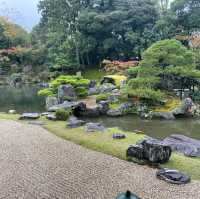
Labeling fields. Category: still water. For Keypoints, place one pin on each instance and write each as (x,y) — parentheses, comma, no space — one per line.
(154,128)
(25,99)
(21,99)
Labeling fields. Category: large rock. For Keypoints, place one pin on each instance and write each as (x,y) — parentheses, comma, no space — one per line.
(51,101)
(92,83)
(29,116)
(94,127)
(64,105)
(74,122)
(114,113)
(172,176)
(187,146)
(107,88)
(151,150)
(82,110)
(162,115)
(93,91)
(186,109)
(123,109)
(66,92)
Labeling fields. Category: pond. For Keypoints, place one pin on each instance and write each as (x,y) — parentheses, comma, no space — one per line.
(25,99)
(153,128)
(21,99)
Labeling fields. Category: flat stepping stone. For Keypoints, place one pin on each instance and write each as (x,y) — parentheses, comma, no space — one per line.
(29,116)
(94,127)
(172,176)
(38,123)
(74,122)
(118,136)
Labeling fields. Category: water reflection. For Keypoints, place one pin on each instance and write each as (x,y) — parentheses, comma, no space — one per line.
(154,128)
(22,99)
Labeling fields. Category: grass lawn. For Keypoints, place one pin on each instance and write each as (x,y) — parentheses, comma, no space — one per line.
(103,142)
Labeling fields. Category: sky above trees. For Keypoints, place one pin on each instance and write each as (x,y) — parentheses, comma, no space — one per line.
(22,12)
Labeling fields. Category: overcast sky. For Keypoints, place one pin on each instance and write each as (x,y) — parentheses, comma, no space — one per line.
(23,12)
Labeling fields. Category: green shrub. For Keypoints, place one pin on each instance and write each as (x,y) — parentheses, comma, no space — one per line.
(81,91)
(62,114)
(46,92)
(102,97)
(75,81)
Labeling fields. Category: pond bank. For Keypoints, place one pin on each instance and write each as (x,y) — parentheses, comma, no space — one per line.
(103,142)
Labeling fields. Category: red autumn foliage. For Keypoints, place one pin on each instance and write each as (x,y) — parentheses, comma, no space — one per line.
(118,66)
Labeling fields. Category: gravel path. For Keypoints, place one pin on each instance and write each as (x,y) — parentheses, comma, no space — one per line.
(36,164)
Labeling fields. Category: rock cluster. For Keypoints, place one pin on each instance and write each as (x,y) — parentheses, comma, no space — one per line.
(187,146)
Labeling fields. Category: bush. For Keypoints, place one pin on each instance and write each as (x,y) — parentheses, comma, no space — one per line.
(46,92)
(62,114)
(145,94)
(81,91)
(102,97)
(75,81)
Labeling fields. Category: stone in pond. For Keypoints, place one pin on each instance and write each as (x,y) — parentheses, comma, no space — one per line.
(151,150)
(138,131)
(30,116)
(119,136)
(183,144)
(114,113)
(51,117)
(12,111)
(94,127)
(74,122)
(172,176)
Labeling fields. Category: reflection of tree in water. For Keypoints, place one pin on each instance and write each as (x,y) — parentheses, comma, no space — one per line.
(22,99)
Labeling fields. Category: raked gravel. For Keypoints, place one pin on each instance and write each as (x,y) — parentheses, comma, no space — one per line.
(36,164)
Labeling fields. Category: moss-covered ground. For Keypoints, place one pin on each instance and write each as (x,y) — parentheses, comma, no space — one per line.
(104,143)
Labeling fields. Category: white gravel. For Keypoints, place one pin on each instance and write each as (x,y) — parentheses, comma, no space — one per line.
(36,164)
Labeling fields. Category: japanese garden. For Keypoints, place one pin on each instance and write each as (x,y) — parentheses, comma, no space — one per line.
(101,97)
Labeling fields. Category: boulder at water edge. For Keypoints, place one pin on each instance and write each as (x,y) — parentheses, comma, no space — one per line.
(151,150)
(172,176)
(186,109)
(183,144)
(66,92)
(94,127)
(74,122)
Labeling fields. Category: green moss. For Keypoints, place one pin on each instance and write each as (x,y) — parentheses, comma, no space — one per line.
(185,164)
(102,97)
(114,105)
(170,105)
